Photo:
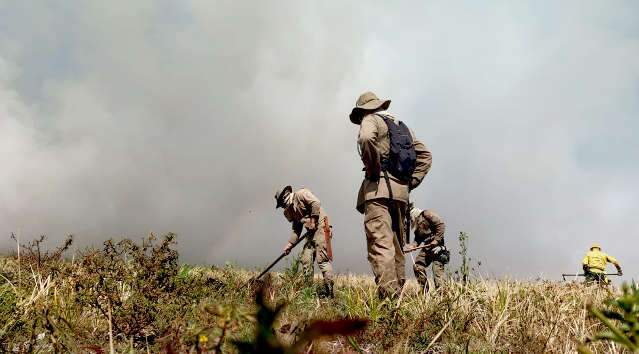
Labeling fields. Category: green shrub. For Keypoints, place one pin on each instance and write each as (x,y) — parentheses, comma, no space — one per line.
(8,302)
(621,319)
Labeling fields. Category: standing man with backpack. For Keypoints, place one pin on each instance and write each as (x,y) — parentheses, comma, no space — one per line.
(395,162)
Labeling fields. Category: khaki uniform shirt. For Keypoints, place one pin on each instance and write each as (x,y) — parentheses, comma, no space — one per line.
(374,144)
(304,205)
(429,228)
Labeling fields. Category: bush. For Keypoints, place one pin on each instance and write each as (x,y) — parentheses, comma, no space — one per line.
(129,281)
(621,319)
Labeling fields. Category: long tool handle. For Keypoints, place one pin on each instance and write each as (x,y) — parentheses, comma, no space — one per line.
(582,275)
(418,247)
(280,257)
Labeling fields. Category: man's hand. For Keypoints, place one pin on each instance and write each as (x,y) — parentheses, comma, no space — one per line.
(433,244)
(619,272)
(419,245)
(288,247)
(311,223)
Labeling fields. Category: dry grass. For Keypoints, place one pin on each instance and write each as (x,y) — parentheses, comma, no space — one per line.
(202,309)
(481,316)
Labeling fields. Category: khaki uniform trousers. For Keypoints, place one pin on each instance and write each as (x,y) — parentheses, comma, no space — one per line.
(384,250)
(424,259)
(315,249)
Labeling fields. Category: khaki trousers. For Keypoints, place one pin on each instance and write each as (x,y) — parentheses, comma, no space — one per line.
(384,250)
(315,249)
(424,259)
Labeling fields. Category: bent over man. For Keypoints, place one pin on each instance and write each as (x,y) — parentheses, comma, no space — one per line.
(429,236)
(594,265)
(383,196)
(303,209)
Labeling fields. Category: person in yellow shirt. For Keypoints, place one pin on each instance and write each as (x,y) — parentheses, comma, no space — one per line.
(594,265)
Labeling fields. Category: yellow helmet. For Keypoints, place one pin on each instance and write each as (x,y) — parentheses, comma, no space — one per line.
(595,245)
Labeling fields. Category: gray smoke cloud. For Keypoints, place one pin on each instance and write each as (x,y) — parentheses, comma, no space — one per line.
(121,118)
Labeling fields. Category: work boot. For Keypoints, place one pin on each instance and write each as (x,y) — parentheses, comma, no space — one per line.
(328,289)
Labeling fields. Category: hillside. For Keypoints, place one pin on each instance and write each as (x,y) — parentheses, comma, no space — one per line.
(139,299)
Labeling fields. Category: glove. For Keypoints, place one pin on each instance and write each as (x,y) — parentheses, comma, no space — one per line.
(444,256)
(287,248)
(619,272)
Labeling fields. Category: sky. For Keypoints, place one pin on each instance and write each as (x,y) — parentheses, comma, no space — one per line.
(122,118)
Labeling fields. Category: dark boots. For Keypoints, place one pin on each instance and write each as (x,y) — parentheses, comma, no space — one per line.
(327,290)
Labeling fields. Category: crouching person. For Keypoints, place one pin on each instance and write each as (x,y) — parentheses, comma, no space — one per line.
(429,237)
(303,210)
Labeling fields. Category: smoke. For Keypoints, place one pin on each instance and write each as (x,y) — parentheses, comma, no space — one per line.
(119,119)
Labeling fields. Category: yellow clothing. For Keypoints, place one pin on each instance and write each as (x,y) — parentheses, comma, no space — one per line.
(596,261)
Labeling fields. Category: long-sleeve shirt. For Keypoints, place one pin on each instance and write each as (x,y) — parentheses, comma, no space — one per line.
(429,228)
(374,145)
(304,205)
(596,261)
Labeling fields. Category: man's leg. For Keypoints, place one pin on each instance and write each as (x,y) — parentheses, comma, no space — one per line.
(326,267)
(324,261)
(421,265)
(439,261)
(400,260)
(307,257)
(589,278)
(381,241)
(438,273)
(602,279)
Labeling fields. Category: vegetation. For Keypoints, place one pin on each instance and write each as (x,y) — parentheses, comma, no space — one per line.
(621,319)
(129,297)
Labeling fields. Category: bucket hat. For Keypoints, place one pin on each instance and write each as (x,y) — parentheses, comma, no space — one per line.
(367,101)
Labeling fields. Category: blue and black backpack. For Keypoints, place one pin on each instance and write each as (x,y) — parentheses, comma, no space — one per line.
(402,158)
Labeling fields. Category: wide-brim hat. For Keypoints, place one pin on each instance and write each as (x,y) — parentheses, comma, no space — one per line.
(279,196)
(367,101)
(414,213)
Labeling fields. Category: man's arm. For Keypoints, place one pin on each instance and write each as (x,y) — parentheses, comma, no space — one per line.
(313,204)
(440,228)
(437,228)
(584,264)
(295,234)
(614,261)
(311,201)
(423,164)
(368,135)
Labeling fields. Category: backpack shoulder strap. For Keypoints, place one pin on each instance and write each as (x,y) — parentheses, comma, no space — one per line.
(391,125)
(387,118)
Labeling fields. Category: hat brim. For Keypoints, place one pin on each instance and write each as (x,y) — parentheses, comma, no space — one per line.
(280,202)
(358,112)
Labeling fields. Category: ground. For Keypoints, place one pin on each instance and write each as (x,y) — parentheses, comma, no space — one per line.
(138,298)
